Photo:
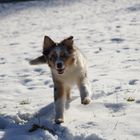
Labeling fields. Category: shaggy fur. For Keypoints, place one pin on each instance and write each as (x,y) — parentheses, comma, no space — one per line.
(68,67)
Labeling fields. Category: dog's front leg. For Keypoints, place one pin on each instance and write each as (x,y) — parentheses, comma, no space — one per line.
(59,99)
(84,88)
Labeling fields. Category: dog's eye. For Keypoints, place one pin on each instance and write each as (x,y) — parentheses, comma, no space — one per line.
(64,56)
(52,58)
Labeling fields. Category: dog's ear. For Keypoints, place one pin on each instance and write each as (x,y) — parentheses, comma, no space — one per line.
(48,42)
(68,41)
(38,60)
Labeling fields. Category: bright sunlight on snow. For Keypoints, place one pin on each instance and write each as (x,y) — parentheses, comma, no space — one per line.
(107,32)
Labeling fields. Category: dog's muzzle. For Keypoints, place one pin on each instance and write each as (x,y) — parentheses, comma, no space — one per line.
(60,71)
(60,67)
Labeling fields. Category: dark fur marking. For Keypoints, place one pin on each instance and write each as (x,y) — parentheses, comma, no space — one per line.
(40,59)
(55,89)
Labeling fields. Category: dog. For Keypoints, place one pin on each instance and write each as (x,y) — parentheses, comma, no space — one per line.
(68,67)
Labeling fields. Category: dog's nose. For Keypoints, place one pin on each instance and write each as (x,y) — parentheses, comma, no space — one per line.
(59,65)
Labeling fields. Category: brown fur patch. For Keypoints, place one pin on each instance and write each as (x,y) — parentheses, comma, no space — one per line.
(51,59)
(59,90)
(69,61)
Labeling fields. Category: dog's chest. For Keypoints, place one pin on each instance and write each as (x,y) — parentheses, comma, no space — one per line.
(72,76)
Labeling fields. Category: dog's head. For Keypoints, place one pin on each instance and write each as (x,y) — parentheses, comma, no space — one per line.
(59,56)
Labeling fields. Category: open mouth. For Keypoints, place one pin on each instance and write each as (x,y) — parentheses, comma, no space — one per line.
(60,71)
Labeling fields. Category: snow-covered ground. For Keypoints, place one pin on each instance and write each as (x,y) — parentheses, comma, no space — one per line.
(107,32)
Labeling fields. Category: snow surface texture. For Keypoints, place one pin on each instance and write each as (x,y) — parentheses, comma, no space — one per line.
(107,32)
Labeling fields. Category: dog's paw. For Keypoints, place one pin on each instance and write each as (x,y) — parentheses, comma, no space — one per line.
(59,121)
(86,101)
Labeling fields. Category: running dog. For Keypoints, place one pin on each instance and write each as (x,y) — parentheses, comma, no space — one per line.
(68,67)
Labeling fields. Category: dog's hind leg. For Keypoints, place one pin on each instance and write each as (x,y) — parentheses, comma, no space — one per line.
(68,93)
(68,98)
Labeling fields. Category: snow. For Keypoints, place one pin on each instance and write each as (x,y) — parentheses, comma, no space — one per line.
(107,32)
